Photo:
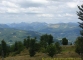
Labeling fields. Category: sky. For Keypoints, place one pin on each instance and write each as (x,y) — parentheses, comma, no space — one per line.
(49,11)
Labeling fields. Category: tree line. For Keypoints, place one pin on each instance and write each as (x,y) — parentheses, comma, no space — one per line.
(46,45)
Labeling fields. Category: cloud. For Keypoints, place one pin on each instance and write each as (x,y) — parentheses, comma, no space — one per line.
(67,15)
(60,0)
(26,4)
(38,10)
(8,4)
(21,6)
(40,1)
(45,15)
(72,4)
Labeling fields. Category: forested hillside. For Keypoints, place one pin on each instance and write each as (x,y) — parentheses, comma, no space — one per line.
(12,35)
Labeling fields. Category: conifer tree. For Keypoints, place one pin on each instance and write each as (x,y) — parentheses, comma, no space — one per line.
(28,42)
(46,40)
(51,50)
(32,48)
(79,41)
(4,48)
(64,41)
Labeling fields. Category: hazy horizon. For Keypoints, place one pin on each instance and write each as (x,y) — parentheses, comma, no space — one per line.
(39,22)
(48,11)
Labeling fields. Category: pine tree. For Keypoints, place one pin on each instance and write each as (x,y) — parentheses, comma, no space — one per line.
(58,47)
(32,48)
(0,50)
(79,41)
(43,40)
(51,50)
(28,42)
(50,39)
(18,47)
(64,41)
(25,42)
(46,40)
(4,48)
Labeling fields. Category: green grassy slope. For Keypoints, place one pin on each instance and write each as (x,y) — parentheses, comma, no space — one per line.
(12,35)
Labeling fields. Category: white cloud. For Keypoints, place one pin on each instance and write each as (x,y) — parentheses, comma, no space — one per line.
(65,15)
(69,15)
(40,1)
(35,9)
(12,10)
(8,4)
(45,15)
(72,4)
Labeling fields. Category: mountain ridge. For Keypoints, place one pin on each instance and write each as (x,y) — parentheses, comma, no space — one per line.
(60,30)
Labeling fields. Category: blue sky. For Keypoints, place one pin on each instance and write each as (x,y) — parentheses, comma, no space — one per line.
(49,11)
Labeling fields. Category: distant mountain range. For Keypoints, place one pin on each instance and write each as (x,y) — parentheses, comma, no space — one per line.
(60,30)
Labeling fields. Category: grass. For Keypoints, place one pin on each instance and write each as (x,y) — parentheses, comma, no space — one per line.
(66,54)
(61,59)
